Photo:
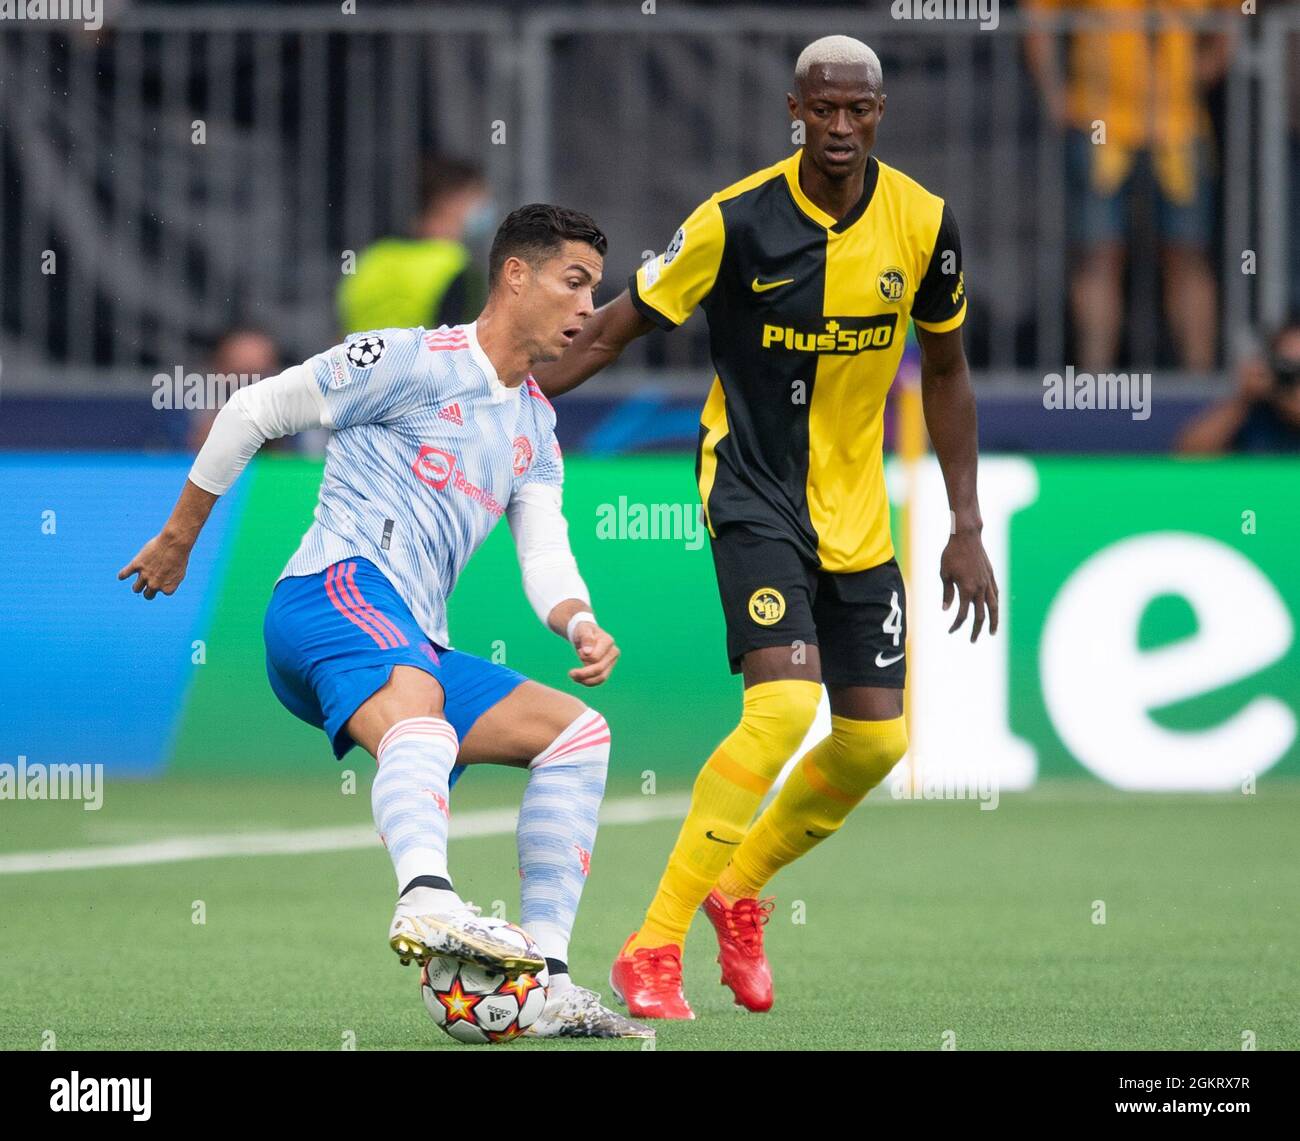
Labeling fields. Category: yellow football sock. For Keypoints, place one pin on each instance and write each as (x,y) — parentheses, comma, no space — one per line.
(727,793)
(817,797)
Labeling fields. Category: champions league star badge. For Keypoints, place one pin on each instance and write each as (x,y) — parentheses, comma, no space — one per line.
(365,352)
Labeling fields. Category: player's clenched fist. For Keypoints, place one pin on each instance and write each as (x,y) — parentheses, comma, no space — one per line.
(159,567)
(597,652)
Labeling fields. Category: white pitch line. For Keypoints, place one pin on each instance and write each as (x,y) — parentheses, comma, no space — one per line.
(301,841)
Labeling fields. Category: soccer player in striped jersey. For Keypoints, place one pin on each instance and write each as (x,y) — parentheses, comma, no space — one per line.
(808,272)
(433,437)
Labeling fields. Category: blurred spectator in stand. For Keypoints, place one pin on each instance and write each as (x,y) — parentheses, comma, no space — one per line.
(244,352)
(1263,414)
(1145,83)
(429,279)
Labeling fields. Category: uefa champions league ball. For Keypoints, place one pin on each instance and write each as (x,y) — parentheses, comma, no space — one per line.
(476,1006)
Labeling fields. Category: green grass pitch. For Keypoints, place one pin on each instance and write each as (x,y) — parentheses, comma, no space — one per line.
(918,919)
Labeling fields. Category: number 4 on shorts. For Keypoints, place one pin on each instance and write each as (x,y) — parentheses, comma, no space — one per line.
(894,620)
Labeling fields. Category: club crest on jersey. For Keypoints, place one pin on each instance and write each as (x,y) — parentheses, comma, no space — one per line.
(365,351)
(892,284)
(675,246)
(767,606)
(434,466)
(523,454)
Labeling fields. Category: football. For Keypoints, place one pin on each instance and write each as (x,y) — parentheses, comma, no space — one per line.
(478,1007)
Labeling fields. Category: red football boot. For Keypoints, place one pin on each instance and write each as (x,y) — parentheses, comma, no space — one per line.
(740,947)
(649,981)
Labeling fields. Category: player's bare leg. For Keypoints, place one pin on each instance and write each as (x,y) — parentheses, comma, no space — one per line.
(520,726)
(402,727)
(866,702)
(565,747)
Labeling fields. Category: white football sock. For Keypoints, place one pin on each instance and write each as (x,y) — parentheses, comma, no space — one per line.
(409,795)
(557,830)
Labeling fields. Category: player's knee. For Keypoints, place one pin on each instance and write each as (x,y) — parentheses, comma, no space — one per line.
(777,716)
(408,693)
(595,730)
(584,744)
(862,753)
(417,744)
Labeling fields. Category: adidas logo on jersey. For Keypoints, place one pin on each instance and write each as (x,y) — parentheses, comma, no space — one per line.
(452,413)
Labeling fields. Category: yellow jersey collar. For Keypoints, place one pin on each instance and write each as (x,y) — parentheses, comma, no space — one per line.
(815,212)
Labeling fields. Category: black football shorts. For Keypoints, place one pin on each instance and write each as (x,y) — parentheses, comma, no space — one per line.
(772,597)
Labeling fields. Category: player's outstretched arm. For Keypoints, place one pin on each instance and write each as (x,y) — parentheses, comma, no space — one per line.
(160,564)
(552,583)
(604,336)
(949,403)
(278,406)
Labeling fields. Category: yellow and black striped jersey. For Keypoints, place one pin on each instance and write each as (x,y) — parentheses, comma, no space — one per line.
(807,320)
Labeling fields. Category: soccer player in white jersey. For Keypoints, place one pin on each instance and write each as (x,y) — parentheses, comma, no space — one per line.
(433,437)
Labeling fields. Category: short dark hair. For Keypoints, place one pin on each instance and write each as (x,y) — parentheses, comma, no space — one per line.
(537,231)
(441,175)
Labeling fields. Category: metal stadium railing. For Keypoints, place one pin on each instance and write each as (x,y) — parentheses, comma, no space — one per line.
(188,167)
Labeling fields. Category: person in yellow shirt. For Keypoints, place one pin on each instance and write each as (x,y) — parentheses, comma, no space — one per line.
(428,279)
(1131,99)
(808,272)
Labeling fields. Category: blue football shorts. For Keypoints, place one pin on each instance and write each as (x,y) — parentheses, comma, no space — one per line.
(333,638)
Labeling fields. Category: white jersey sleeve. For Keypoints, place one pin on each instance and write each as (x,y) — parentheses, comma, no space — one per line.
(372,378)
(278,406)
(541,534)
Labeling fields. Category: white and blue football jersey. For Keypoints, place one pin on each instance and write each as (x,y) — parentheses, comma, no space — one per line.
(426,448)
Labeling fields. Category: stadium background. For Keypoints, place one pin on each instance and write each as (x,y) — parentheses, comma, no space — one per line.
(315,125)
(1149,601)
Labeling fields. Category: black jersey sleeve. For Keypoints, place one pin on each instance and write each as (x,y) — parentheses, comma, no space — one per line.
(940,301)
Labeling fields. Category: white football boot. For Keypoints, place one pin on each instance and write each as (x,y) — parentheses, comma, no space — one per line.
(429,922)
(576,1012)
